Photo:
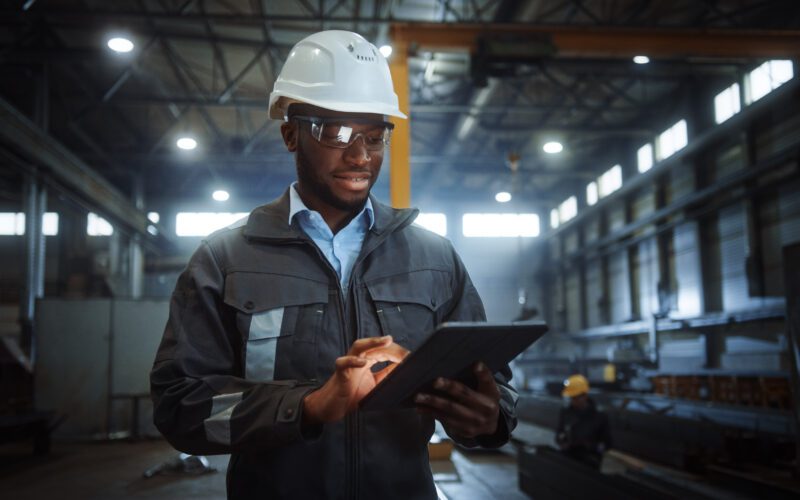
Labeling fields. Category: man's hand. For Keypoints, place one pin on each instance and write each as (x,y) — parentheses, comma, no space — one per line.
(352,380)
(463,411)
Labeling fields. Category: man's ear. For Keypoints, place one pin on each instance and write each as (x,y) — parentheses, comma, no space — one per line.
(289,131)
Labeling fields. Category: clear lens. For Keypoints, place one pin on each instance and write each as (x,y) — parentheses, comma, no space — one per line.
(338,135)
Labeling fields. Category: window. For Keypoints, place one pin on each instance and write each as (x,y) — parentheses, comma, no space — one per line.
(727,103)
(610,181)
(644,157)
(591,193)
(153,217)
(204,223)
(13,223)
(98,226)
(554,218)
(500,225)
(671,140)
(766,78)
(568,209)
(433,222)
(50,224)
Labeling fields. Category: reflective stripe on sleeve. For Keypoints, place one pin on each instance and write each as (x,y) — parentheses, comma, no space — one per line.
(218,424)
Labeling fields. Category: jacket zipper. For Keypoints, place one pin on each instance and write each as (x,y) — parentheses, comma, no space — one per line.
(352,440)
(350,425)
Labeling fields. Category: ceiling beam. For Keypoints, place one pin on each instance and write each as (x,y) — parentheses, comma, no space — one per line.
(570,41)
(21,136)
(592,41)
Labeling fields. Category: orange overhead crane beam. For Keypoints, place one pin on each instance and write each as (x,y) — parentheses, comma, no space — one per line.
(576,42)
(400,149)
(602,42)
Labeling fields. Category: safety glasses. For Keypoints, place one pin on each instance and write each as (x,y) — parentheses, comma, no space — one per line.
(338,133)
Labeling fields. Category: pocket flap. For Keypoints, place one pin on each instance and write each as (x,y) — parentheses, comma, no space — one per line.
(429,288)
(258,292)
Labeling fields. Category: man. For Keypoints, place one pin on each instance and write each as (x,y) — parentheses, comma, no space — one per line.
(280,326)
(583,432)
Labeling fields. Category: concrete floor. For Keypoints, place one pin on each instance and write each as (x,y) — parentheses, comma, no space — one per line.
(113,470)
(102,471)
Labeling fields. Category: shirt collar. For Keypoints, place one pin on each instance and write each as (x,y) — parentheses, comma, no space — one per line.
(297,206)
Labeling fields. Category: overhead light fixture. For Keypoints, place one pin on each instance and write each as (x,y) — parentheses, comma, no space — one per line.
(220,195)
(641,59)
(120,45)
(503,197)
(186,143)
(553,147)
(386,50)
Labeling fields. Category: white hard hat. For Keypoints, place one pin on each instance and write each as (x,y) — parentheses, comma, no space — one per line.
(336,70)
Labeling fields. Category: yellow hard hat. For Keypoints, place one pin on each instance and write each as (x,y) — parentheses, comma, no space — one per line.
(575,385)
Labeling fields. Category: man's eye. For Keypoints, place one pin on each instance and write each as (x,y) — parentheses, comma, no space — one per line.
(374,139)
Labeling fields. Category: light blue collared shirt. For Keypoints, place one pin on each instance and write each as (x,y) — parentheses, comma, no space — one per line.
(341,249)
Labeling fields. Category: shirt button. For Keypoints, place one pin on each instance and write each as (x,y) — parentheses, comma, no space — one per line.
(289,412)
(249,305)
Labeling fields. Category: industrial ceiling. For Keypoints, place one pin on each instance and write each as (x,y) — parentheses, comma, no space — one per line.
(205,69)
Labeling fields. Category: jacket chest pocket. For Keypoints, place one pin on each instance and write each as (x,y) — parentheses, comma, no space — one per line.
(279,319)
(409,306)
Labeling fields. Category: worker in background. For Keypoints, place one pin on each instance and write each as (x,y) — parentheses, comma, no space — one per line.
(282,323)
(583,432)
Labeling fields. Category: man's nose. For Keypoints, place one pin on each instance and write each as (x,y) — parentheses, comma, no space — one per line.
(357,152)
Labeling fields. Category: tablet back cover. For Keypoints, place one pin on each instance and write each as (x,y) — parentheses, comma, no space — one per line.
(450,352)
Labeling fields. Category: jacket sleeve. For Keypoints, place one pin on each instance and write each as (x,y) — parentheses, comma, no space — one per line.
(201,402)
(467,305)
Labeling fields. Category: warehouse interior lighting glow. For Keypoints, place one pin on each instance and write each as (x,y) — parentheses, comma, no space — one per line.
(186,143)
(220,195)
(553,147)
(120,45)
(641,59)
(386,50)
(502,197)
(436,222)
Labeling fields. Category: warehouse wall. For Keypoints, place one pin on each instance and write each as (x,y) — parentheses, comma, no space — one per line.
(716,260)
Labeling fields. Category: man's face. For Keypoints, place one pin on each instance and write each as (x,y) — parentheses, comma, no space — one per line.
(328,177)
(580,401)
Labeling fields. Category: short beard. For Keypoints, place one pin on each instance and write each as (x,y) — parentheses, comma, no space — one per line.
(305,174)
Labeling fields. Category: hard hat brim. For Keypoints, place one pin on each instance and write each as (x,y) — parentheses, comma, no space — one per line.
(378,108)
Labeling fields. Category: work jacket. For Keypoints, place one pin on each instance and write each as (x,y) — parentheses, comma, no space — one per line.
(257,321)
(584,434)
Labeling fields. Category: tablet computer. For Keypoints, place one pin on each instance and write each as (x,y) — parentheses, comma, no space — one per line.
(450,352)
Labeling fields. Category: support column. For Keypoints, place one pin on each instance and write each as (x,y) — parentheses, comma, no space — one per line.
(135,252)
(400,149)
(35,204)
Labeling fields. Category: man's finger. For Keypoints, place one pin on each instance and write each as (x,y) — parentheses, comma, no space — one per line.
(447,408)
(345,362)
(486,382)
(467,397)
(392,352)
(361,345)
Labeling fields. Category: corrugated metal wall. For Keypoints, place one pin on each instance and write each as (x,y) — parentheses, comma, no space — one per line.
(733,247)
(648,278)
(619,289)
(572,284)
(595,293)
(688,270)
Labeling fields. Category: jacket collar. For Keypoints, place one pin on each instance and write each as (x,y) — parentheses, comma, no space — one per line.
(270,221)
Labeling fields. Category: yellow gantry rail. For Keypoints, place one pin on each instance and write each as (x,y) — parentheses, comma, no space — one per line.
(566,41)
